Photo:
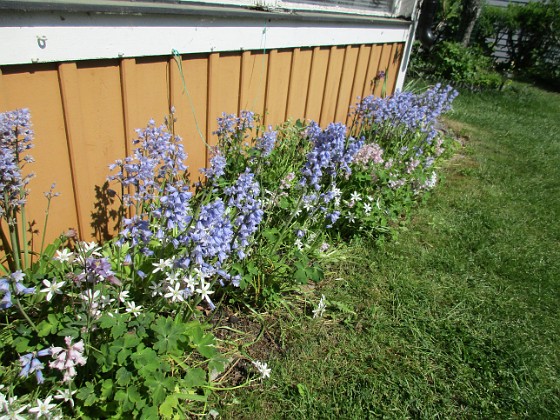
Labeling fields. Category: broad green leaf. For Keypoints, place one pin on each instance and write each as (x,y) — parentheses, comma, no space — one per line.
(195,377)
(147,361)
(169,335)
(168,407)
(301,276)
(149,413)
(107,388)
(123,376)
(159,386)
(87,394)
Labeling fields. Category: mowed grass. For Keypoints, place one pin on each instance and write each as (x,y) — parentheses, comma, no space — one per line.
(458,317)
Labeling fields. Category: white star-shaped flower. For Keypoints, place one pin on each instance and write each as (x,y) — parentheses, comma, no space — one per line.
(43,408)
(204,290)
(91,248)
(65,395)
(131,308)
(52,288)
(162,265)
(64,256)
(355,196)
(175,293)
(123,295)
(157,289)
(263,369)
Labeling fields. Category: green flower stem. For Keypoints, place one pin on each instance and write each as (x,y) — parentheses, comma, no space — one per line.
(22,311)
(7,251)
(24,238)
(286,226)
(47,210)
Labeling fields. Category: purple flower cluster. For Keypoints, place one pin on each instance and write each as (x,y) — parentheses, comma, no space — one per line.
(174,209)
(217,166)
(31,364)
(13,284)
(159,157)
(229,125)
(98,270)
(211,235)
(266,143)
(16,138)
(203,230)
(407,109)
(332,151)
(243,196)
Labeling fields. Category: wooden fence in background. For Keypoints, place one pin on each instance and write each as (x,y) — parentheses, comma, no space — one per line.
(85,113)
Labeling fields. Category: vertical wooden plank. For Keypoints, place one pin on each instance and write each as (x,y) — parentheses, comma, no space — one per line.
(279,69)
(317,78)
(223,94)
(247,65)
(37,88)
(129,100)
(384,62)
(70,93)
(253,86)
(189,90)
(364,54)
(151,90)
(373,68)
(99,90)
(343,100)
(211,104)
(332,84)
(394,67)
(299,83)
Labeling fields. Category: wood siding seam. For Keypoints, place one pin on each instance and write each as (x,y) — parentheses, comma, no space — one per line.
(72,131)
(311,68)
(289,97)
(212,69)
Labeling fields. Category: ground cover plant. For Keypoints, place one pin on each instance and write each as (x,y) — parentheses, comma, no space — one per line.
(456,317)
(122,329)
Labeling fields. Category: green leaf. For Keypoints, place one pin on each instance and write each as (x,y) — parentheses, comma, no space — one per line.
(217,363)
(169,335)
(147,362)
(167,408)
(123,376)
(72,332)
(204,343)
(125,403)
(135,397)
(272,234)
(301,276)
(87,394)
(159,386)
(149,413)
(21,344)
(107,388)
(195,377)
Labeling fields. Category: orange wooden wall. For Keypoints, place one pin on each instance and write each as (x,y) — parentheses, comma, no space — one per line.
(85,113)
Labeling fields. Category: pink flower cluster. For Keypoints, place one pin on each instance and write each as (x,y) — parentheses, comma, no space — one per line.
(67,359)
(369,153)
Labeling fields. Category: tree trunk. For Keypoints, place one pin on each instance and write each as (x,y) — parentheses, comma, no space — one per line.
(469,15)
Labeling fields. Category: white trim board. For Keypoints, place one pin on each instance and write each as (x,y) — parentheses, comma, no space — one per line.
(42,37)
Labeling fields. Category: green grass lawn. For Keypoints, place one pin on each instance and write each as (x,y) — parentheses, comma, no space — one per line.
(456,317)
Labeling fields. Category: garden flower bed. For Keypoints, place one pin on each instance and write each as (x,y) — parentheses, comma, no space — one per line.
(121,329)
